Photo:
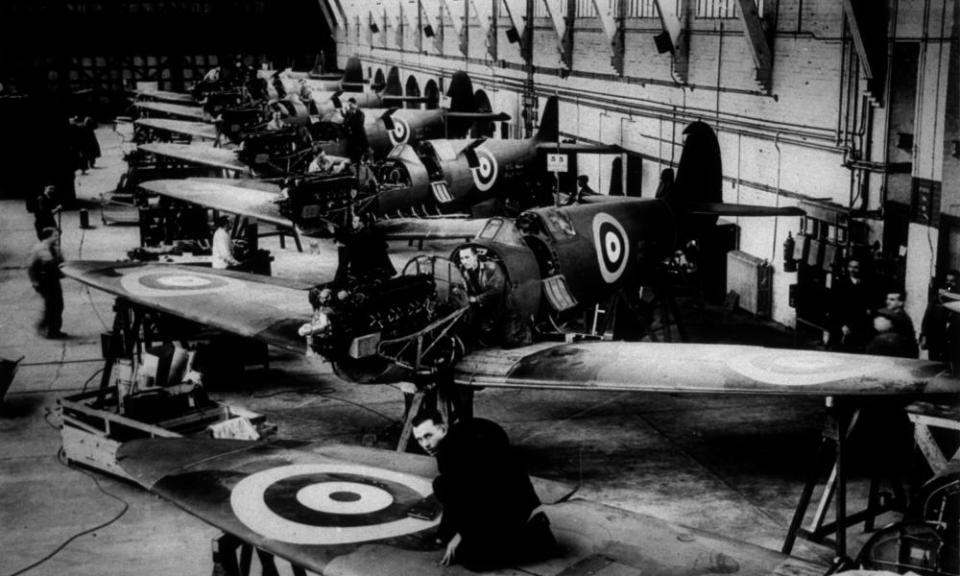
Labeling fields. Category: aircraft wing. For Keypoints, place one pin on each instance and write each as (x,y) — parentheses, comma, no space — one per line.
(264,308)
(279,496)
(201,130)
(430,228)
(166,96)
(710,208)
(724,209)
(703,368)
(579,148)
(244,201)
(198,154)
(175,110)
(491,116)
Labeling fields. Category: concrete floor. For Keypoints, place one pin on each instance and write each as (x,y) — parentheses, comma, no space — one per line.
(730,465)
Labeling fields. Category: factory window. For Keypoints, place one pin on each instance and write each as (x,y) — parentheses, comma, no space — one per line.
(633,8)
(643,8)
(721,8)
(586,8)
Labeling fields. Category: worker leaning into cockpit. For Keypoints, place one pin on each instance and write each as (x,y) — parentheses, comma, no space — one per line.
(491,320)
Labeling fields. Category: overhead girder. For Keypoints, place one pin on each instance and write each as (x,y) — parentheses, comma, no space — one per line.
(486,12)
(563,25)
(612,17)
(517,12)
(672,23)
(867,21)
(430,11)
(759,40)
(330,15)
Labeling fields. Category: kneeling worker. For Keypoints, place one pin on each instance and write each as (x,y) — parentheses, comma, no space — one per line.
(490,510)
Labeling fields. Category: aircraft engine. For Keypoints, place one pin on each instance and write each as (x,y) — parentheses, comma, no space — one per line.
(321,201)
(261,148)
(235,122)
(362,317)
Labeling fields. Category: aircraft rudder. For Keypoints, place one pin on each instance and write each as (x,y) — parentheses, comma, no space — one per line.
(461,93)
(549,129)
(393,86)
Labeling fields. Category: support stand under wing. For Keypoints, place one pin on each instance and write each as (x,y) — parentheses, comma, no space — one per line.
(840,423)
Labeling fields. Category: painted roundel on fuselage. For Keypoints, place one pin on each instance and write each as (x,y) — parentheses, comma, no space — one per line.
(485,174)
(324,504)
(152,282)
(400,132)
(612,245)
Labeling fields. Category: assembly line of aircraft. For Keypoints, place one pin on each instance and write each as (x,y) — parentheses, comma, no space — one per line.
(415,327)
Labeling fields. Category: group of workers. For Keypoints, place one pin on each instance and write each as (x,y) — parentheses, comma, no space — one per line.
(863,318)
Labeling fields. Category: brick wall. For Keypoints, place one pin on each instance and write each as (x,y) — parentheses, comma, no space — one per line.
(815,111)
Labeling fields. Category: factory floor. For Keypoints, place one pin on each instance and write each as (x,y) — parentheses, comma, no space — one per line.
(732,465)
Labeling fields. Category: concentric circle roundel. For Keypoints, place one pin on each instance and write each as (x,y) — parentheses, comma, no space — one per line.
(612,245)
(154,282)
(800,368)
(485,174)
(322,504)
(400,132)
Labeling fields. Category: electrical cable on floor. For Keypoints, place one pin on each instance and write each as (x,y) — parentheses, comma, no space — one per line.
(102,525)
(94,308)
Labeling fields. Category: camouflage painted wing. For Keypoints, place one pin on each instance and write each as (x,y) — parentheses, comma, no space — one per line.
(703,368)
(264,308)
(173,110)
(166,96)
(198,154)
(241,200)
(198,130)
(343,510)
(430,228)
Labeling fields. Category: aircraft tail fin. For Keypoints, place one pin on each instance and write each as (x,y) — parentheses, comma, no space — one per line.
(699,179)
(697,193)
(549,129)
(353,76)
(393,86)
(462,101)
(461,93)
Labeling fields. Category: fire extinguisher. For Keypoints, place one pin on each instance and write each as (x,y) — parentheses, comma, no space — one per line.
(789,263)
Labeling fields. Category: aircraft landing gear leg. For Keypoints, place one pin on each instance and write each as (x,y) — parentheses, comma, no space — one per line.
(414,408)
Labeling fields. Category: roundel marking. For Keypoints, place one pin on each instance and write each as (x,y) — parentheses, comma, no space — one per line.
(400,132)
(612,245)
(152,282)
(799,368)
(323,504)
(485,174)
